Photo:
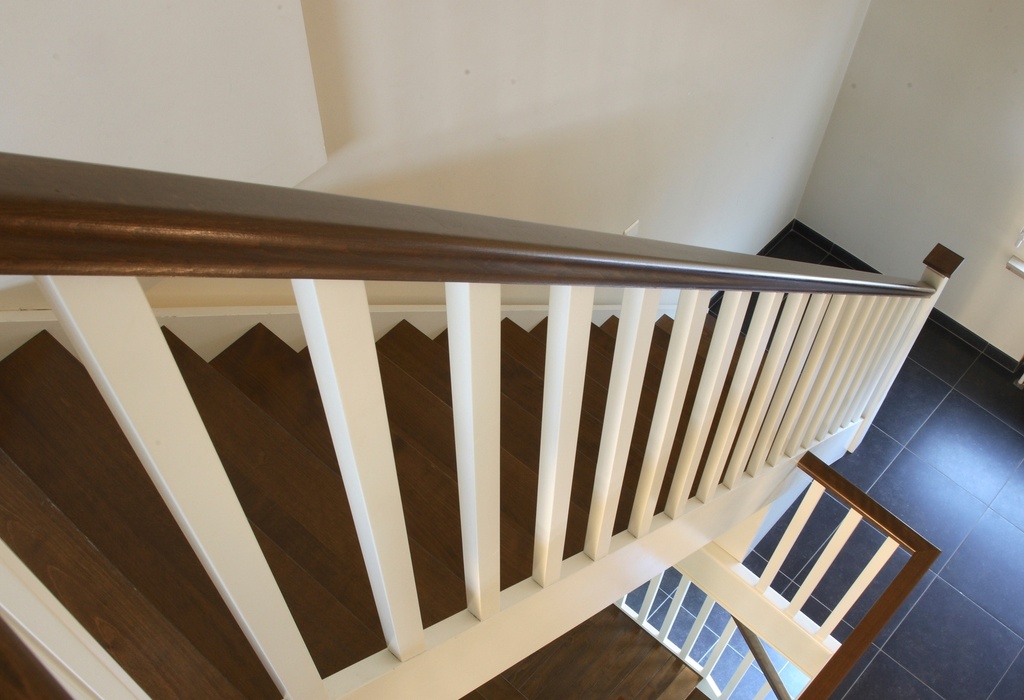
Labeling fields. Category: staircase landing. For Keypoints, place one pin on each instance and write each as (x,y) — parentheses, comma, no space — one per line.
(608,656)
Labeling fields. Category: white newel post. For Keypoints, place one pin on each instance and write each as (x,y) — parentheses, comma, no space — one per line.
(474,347)
(118,340)
(940,264)
(336,320)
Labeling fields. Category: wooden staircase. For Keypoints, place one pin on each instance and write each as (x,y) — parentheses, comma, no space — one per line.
(78,508)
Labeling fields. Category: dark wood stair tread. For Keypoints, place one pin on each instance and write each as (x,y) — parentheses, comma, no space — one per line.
(430,497)
(301,504)
(56,427)
(160,659)
(608,656)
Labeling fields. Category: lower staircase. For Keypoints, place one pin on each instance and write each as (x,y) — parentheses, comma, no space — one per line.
(80,511)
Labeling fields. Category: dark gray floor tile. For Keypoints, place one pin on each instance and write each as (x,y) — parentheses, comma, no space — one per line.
(988,568)
(636,597)
(928,501)
(914,395)
(849,563)
(658,613)
(970,446)
(952,645)
(863,466)
(942,353)
(1011,687)
(670,580)
(795,247)
(841,576)
(876,589)
(855,673)
(681,627)
(726,666)
(885,679)
(991,386)
(1010,501)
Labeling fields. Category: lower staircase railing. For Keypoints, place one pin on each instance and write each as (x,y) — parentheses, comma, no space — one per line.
(862,570)
(799,356)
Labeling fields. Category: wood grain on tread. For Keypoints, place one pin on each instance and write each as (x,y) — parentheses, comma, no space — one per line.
(429,496)
(58,430)
(606,657)
(162,661)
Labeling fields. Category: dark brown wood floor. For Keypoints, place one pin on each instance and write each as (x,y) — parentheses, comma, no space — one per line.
(608,656)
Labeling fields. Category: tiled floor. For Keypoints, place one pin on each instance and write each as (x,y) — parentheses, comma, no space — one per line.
(946,454)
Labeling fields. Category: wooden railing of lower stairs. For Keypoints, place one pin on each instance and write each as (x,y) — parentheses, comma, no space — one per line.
(819,354)
(808,639)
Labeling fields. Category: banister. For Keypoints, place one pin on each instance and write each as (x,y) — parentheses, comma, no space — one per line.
(922,555)
(66,218)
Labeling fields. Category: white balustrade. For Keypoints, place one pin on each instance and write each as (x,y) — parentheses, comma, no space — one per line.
(712,380)
(761,324)
(811,369)
(632,345)
(691,314)
(118,340)
(791,374)
(837,342)
(771,373)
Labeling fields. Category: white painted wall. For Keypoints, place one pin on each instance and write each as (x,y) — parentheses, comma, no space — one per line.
(926,145)
(701,119)
(221,89)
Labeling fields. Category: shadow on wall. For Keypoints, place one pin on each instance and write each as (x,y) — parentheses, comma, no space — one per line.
(332,88)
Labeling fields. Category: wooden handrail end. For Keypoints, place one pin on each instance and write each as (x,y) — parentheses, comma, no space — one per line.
(943,260)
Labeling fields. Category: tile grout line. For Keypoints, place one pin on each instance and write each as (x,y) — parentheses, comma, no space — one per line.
(1006,673)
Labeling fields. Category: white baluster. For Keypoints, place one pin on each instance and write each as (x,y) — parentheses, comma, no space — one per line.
(673,609)
(809,373)
(691,314)
(884,553)
(565,365)
(118,340)
(474,346)
(632,344)
(793,530)
(712,380)
(862,386)
(923,308)
(720,647)
(886,348)
(827,558)
(66,648)
(787,382)
(702,620)
(737,675)
(650,597)
(760,329)
(336,321)
(771,372)
(839,341)
(850,364)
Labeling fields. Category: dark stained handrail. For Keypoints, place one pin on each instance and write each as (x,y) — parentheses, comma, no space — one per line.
(922,555)
(60,217)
